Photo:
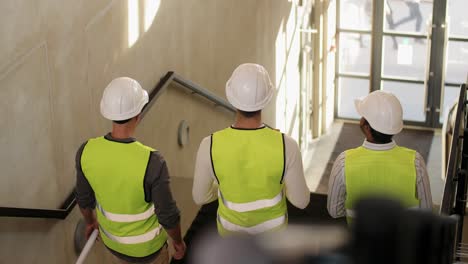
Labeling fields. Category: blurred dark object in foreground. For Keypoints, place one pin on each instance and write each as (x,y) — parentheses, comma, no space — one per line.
(386,232)
(383,232)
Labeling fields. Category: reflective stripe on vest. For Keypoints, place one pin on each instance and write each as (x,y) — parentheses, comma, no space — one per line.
(260,228)
(126,218)
(350,213)
(249,167)
(148,236)
(251,206)
(116,172)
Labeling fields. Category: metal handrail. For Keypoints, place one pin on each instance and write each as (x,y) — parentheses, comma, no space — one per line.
(70,201)
(450,180)
(448,197)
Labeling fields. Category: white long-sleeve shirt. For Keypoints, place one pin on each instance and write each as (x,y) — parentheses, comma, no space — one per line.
(205,185)
(337,184)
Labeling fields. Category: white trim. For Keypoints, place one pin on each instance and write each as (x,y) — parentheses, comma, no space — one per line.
(350,213)
(148,236)
(125,218)
(251,206)
(260,228)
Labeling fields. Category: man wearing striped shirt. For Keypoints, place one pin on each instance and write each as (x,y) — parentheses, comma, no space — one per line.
(379,166)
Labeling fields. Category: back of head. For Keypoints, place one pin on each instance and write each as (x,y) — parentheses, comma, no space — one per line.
(249,89)
(123,98)
(383,111)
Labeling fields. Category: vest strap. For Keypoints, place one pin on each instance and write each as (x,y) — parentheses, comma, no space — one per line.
(251,206)
(126,218)
(260,228)
(148,236)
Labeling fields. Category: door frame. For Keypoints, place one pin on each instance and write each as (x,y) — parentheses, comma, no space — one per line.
(434,81)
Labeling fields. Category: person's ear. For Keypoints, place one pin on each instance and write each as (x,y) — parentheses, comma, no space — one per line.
(138,118)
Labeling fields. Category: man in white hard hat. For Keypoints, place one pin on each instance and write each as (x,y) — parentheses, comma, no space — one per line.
(128,183)
(249,167)
(379,166)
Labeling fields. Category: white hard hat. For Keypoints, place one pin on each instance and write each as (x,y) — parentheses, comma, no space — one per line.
(123,99)
(249,89)
(383,112)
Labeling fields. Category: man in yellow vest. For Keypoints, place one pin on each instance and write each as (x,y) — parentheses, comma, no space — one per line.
(379,166)
(127,183)
(250,167)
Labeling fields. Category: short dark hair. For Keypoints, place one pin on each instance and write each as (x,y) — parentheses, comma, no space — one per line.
(121,122)
(249,114)
(378,137)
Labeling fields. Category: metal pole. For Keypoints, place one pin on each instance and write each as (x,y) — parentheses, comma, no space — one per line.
(377,45)
(87,247)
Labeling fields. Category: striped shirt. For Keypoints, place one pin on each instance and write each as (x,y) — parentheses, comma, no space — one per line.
(337,188)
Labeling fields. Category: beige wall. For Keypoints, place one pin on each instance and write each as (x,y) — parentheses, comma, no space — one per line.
(56,57)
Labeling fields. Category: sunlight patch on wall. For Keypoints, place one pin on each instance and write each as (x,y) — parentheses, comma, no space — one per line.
(280,58)
(287,76)
(151,9)
(133,22)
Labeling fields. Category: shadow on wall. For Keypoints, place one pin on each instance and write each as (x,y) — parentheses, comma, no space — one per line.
(53,82)
(140,39)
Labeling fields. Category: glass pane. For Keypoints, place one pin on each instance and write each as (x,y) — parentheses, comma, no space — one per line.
(450,98)
(457,17)
(355,53)
(356,14)
(404,57)
(457,62)
(350,89)
(408,16)
(411,97)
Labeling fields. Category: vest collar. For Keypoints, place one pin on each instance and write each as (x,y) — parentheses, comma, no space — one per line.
(237,128)
(123,140)
(382,147)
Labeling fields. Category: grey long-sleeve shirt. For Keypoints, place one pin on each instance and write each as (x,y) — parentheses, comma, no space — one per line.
(156,187)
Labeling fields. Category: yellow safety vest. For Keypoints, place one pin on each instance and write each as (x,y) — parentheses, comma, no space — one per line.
(389,173)
(249,166)
(116,172)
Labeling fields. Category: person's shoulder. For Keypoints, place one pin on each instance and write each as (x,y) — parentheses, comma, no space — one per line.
(157,156)
(288,140)
(79,152)
(418,157)
(409,150)
(82,146)
(341,156)
(145,147)
(206,140)
(290,145)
